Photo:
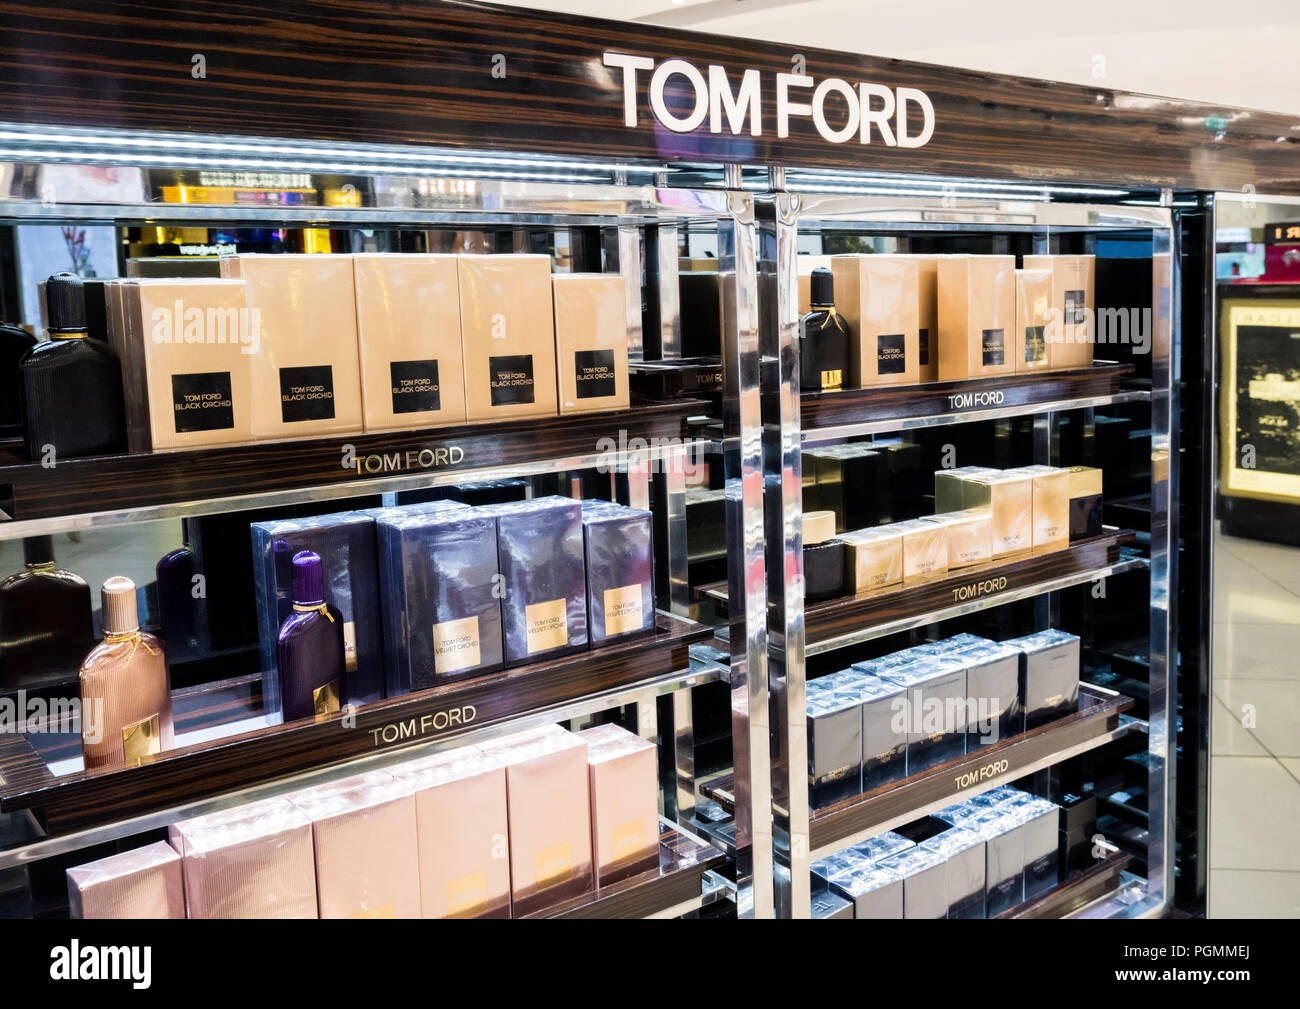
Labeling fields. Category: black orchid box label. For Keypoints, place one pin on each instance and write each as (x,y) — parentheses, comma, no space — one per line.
(415,386)
(307,393)
(202,402)
(594,373)
(511,377)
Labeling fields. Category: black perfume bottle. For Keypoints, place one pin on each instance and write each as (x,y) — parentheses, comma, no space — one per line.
(46,622)
(71,385)
(15,342)
(177,612)
(823,339)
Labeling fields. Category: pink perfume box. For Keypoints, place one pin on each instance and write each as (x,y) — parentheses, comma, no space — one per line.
(142,883)
(624,776)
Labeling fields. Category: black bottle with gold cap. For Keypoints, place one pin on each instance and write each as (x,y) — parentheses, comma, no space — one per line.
(71,385)
(823,338)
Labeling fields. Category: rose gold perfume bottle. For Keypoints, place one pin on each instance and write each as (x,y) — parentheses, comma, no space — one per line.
(126,701)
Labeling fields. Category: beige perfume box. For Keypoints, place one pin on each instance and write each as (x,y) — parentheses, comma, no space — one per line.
(252,861)
(507,326)
(927,291)
(950,487)
(873,558)
(547,790)
(408,332)
(1033,299)
(367,856)
(141,883)
(1009,498)
(462,827)
(307,375)
(591,341)
(970,536)
(877,295)
(1069,341)
(925,550)
(1051,506)
(623,772)
(977,316)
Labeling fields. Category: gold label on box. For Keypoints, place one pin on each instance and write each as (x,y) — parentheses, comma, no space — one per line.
(832,380)
(623,610)
(554,864)
(350,646)
(325,700)
(466,894)
(382,911)
(141,739)
(547,624)
(455,645)
(630,837)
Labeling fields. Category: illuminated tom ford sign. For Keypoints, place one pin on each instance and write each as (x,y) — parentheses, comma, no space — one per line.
(840,111)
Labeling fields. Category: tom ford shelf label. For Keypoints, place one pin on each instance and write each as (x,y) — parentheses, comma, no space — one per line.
(985,772)
(970,400)
(976,590)
(718,100)
(423,725)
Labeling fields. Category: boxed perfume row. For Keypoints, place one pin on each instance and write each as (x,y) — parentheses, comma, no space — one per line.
(981,515)
(880,319)
(496,831)
(982,857)
(885,719)
(354,606)
(287,346)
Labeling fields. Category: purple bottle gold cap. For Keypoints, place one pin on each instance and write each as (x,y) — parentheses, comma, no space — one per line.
(308,578)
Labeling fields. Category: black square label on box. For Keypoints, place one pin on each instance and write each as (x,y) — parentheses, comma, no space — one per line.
(307,393)
(1035,344)
(994,344)
(1074,308)
(593,370)
(511,377)
(923,355)
(202,402)
(891,357)
(414,386)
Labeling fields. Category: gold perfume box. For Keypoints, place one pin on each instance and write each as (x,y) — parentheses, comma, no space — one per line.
(591,341)
(977,316)
(1051,506)
(1033,299)
(307,376)
(877,295)
(873,558)
(1009,498)
(188,349)
(925,550)
(508,333)
(1070,336)
(970,536)
(950,487)
(408,330)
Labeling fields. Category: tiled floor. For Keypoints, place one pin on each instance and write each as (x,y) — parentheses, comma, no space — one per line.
(1255,732)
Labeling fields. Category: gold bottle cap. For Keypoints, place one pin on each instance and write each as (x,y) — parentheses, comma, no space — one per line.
(118,601)
(818,527)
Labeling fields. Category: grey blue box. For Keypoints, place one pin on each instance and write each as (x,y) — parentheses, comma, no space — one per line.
(884,729)
(963,852)
(829,904)
(874,891)
(925,882)
(1004,858)
(1049,675)
(834,746)
(880,847)
(993,683)
(1042,867)
(543,571)
(619,546)
(346,544)
(936,709)
(442,609)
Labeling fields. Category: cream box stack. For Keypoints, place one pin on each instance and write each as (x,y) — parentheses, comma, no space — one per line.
(624,779)
(141,883)
(877,296)
(1069,341)
(591,341)
(188,349)
(408,333)
(977,316)
(508,336)
(307,376)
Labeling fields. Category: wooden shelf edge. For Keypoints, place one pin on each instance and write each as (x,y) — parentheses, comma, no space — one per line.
(1083,887)
(205,770)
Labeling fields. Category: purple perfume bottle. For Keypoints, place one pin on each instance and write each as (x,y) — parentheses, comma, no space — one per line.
(176,603)
(310,649)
